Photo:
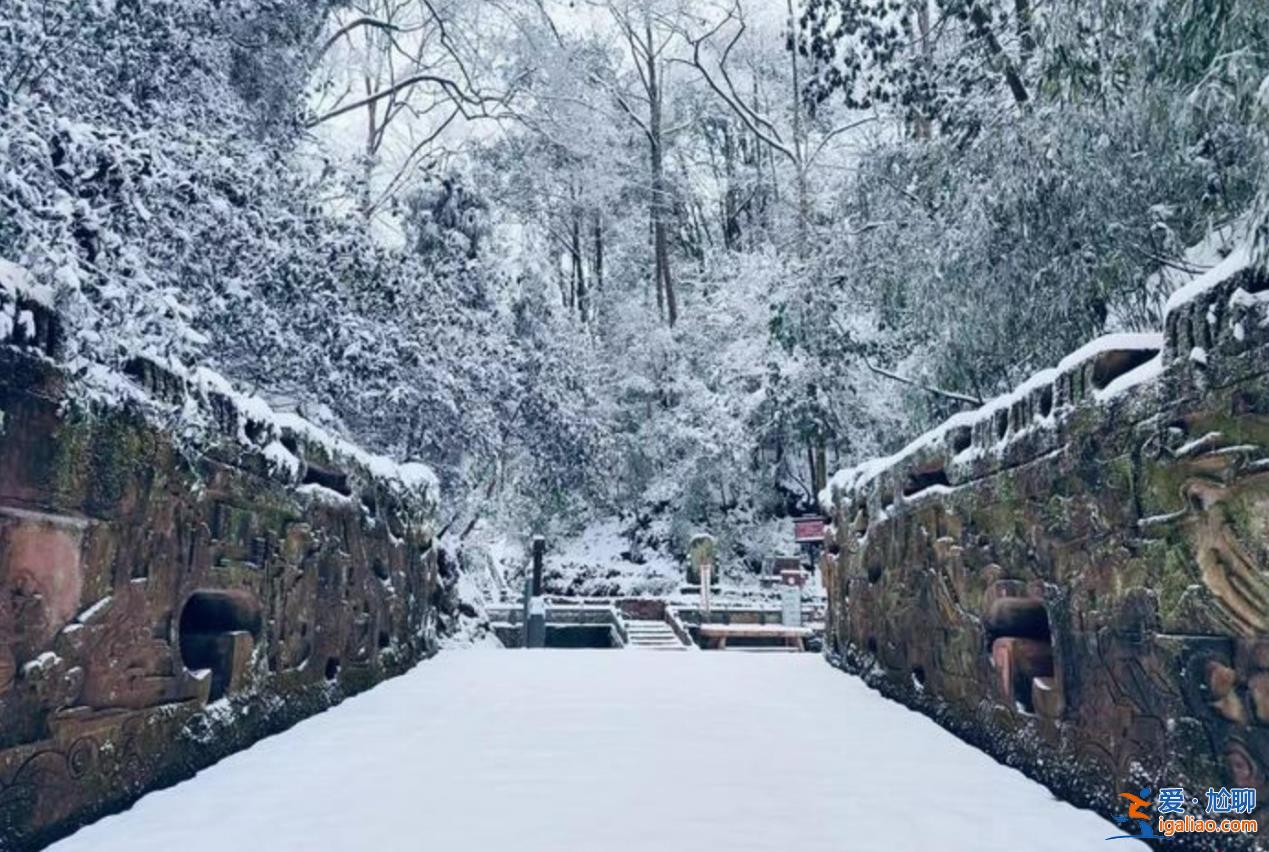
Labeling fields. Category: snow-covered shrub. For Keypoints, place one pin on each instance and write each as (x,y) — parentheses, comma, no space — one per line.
(148,174)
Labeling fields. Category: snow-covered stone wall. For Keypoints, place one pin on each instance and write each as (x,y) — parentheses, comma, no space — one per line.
(183,570)
(1075,577)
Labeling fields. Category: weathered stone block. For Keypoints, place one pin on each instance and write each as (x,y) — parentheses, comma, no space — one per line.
(1105,622)
(144,577)
(1046,698)
(1018,662)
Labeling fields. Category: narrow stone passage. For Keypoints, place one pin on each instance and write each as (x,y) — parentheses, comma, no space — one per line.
(603,750)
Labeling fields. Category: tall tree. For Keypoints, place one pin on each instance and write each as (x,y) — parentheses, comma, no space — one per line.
(789,132)
(648,34)
(399,75)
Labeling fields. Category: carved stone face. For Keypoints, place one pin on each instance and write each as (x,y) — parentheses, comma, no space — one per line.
(44,578)
(1227,552)
(1241,767)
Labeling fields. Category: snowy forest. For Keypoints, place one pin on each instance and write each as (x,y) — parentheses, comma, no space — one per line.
(650,266)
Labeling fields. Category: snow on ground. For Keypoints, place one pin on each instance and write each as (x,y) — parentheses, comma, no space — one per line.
(623,751)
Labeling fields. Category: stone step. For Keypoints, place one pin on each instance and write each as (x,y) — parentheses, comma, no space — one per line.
(652,635)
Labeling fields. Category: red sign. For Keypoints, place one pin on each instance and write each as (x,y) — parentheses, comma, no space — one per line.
(808,529)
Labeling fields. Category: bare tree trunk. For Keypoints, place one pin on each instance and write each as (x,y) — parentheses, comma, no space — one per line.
(766,188)
(799,146)
(657,282)
(821,464)
(565,285)
(730,202)
(982,21)
(921,128)
(1026,36)
(810,464)
(579,268)
(667,281)
(368,155)
(660,246)
(598,259)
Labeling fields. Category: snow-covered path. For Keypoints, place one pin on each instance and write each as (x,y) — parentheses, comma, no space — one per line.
(608,750)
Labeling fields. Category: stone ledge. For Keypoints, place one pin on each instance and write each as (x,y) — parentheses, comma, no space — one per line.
(167,598)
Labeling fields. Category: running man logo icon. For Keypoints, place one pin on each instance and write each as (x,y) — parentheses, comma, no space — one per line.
(1138,805)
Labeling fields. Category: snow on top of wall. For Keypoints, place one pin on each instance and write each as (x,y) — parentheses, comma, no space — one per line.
(1127,341)
(852,478)
(409,479)
(1237,260)
(414,476)
(1141,375)
(281,458)
(414,479)
(90,614)
(1196,260)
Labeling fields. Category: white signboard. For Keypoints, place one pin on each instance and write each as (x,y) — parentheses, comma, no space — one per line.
(706,569)
(791,606)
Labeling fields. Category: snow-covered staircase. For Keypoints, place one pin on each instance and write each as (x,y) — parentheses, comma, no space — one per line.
(656,635)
